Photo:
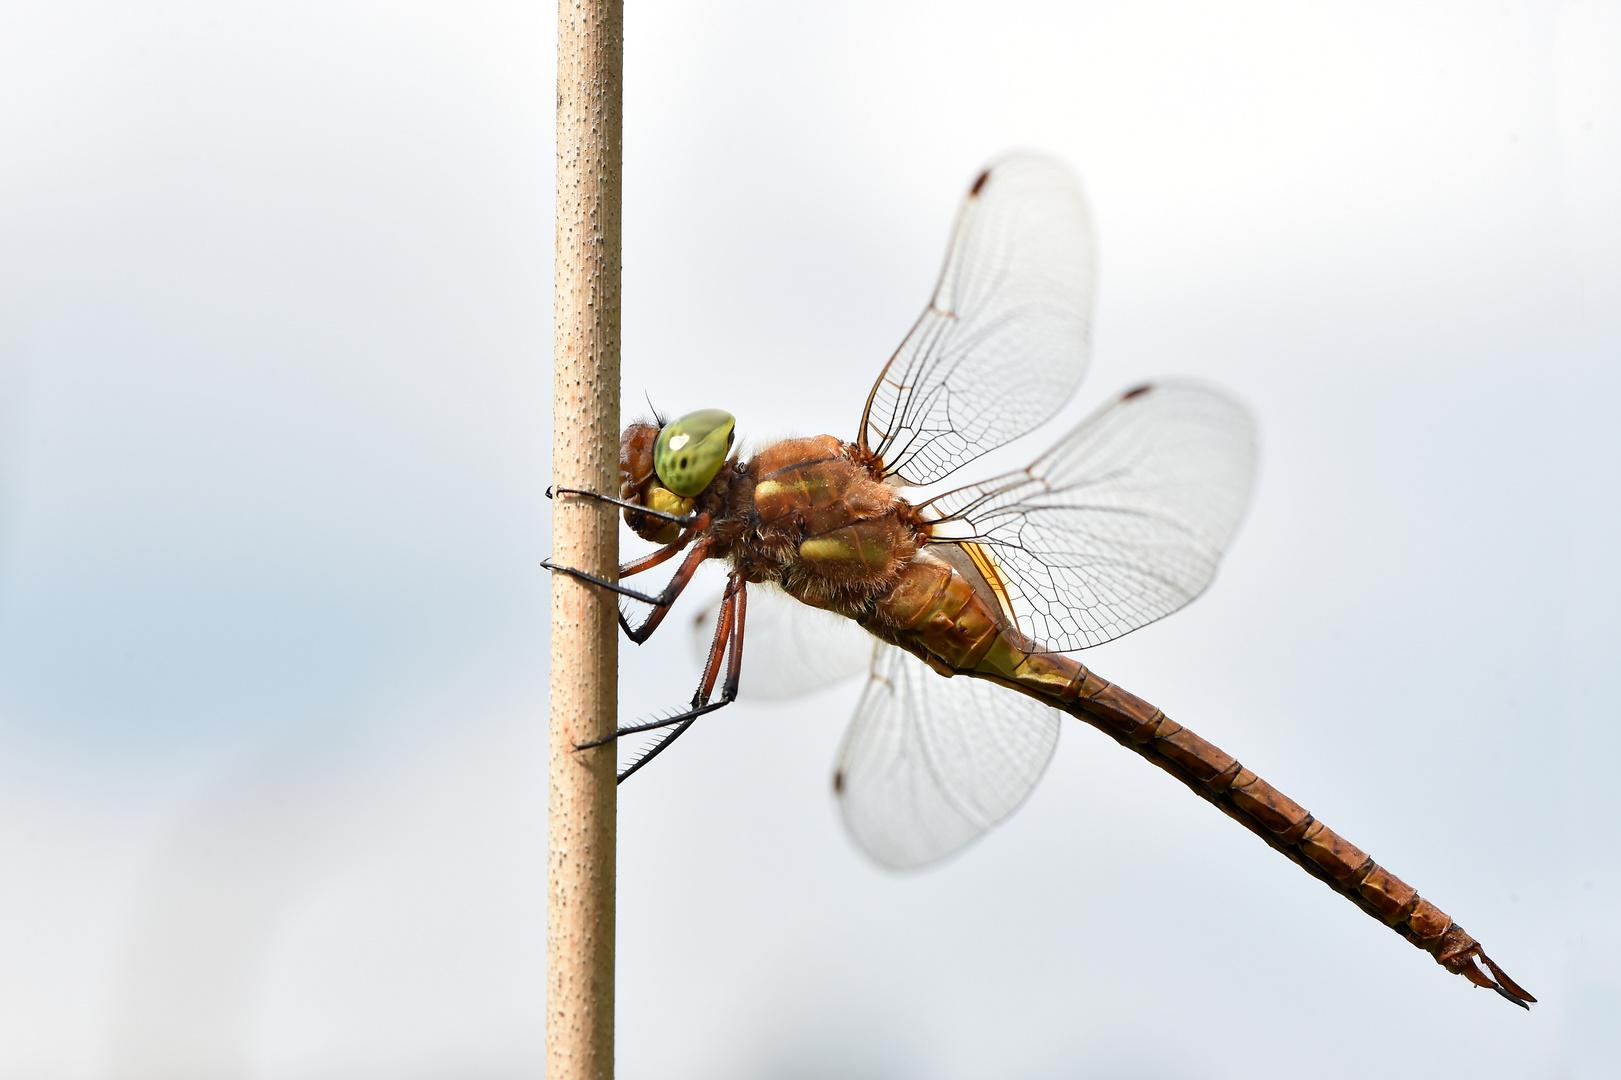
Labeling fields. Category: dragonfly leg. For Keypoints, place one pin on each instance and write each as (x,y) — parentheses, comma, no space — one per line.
(657,748)
(676,586)
(654,725)
(734,667)
(663,554)
(717,645)
(727,643)
(728,639)
(686,521)
(729,615)
(706,682)
(647,562)
(660,601)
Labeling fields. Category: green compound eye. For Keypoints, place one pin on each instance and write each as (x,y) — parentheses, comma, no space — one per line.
(690,451)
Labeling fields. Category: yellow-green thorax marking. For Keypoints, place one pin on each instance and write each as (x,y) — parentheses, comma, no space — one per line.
(690,451)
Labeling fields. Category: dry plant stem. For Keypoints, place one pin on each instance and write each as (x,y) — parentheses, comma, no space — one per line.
(585,534)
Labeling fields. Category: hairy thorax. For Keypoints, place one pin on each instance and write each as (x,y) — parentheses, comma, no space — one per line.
(806,516)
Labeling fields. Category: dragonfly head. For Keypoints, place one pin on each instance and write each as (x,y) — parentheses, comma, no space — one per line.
(690,451)
(665,468)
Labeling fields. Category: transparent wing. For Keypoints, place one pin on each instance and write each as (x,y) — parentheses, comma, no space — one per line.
(929,762)
(1120,524)
(789,648)
(1003,343)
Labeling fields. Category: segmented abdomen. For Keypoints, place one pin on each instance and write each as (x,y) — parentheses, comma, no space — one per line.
(935,613)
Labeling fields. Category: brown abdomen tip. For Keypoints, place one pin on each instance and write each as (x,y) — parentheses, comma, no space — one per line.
(1143,389)
(838,782)
(979,183)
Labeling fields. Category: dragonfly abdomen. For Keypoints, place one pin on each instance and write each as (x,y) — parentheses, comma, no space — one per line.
(935,613)
(1217,777)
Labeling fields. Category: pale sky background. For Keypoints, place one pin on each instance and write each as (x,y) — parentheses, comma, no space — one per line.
(275,422)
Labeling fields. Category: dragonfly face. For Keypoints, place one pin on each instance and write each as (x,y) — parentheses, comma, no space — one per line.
(666,468)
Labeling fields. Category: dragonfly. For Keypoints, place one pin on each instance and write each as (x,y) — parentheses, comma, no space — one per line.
(972,598)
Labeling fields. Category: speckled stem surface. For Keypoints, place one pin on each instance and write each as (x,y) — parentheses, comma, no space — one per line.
(585,534)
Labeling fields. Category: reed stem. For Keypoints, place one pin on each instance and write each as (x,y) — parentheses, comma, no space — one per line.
(585,534)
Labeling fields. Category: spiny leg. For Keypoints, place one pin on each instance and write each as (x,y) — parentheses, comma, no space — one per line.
(734,669)
(656,749)
(729,611)
(692,525)
(728,642)
(647,562)
(735,617)
(724,620)
(665,597)
(635,566)
(675,587)
(684,520)
(725,630)
(660,602)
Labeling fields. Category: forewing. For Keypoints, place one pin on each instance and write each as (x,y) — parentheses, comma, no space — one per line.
(929,762)
(1003,343)
(1121,523)
(789,648)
